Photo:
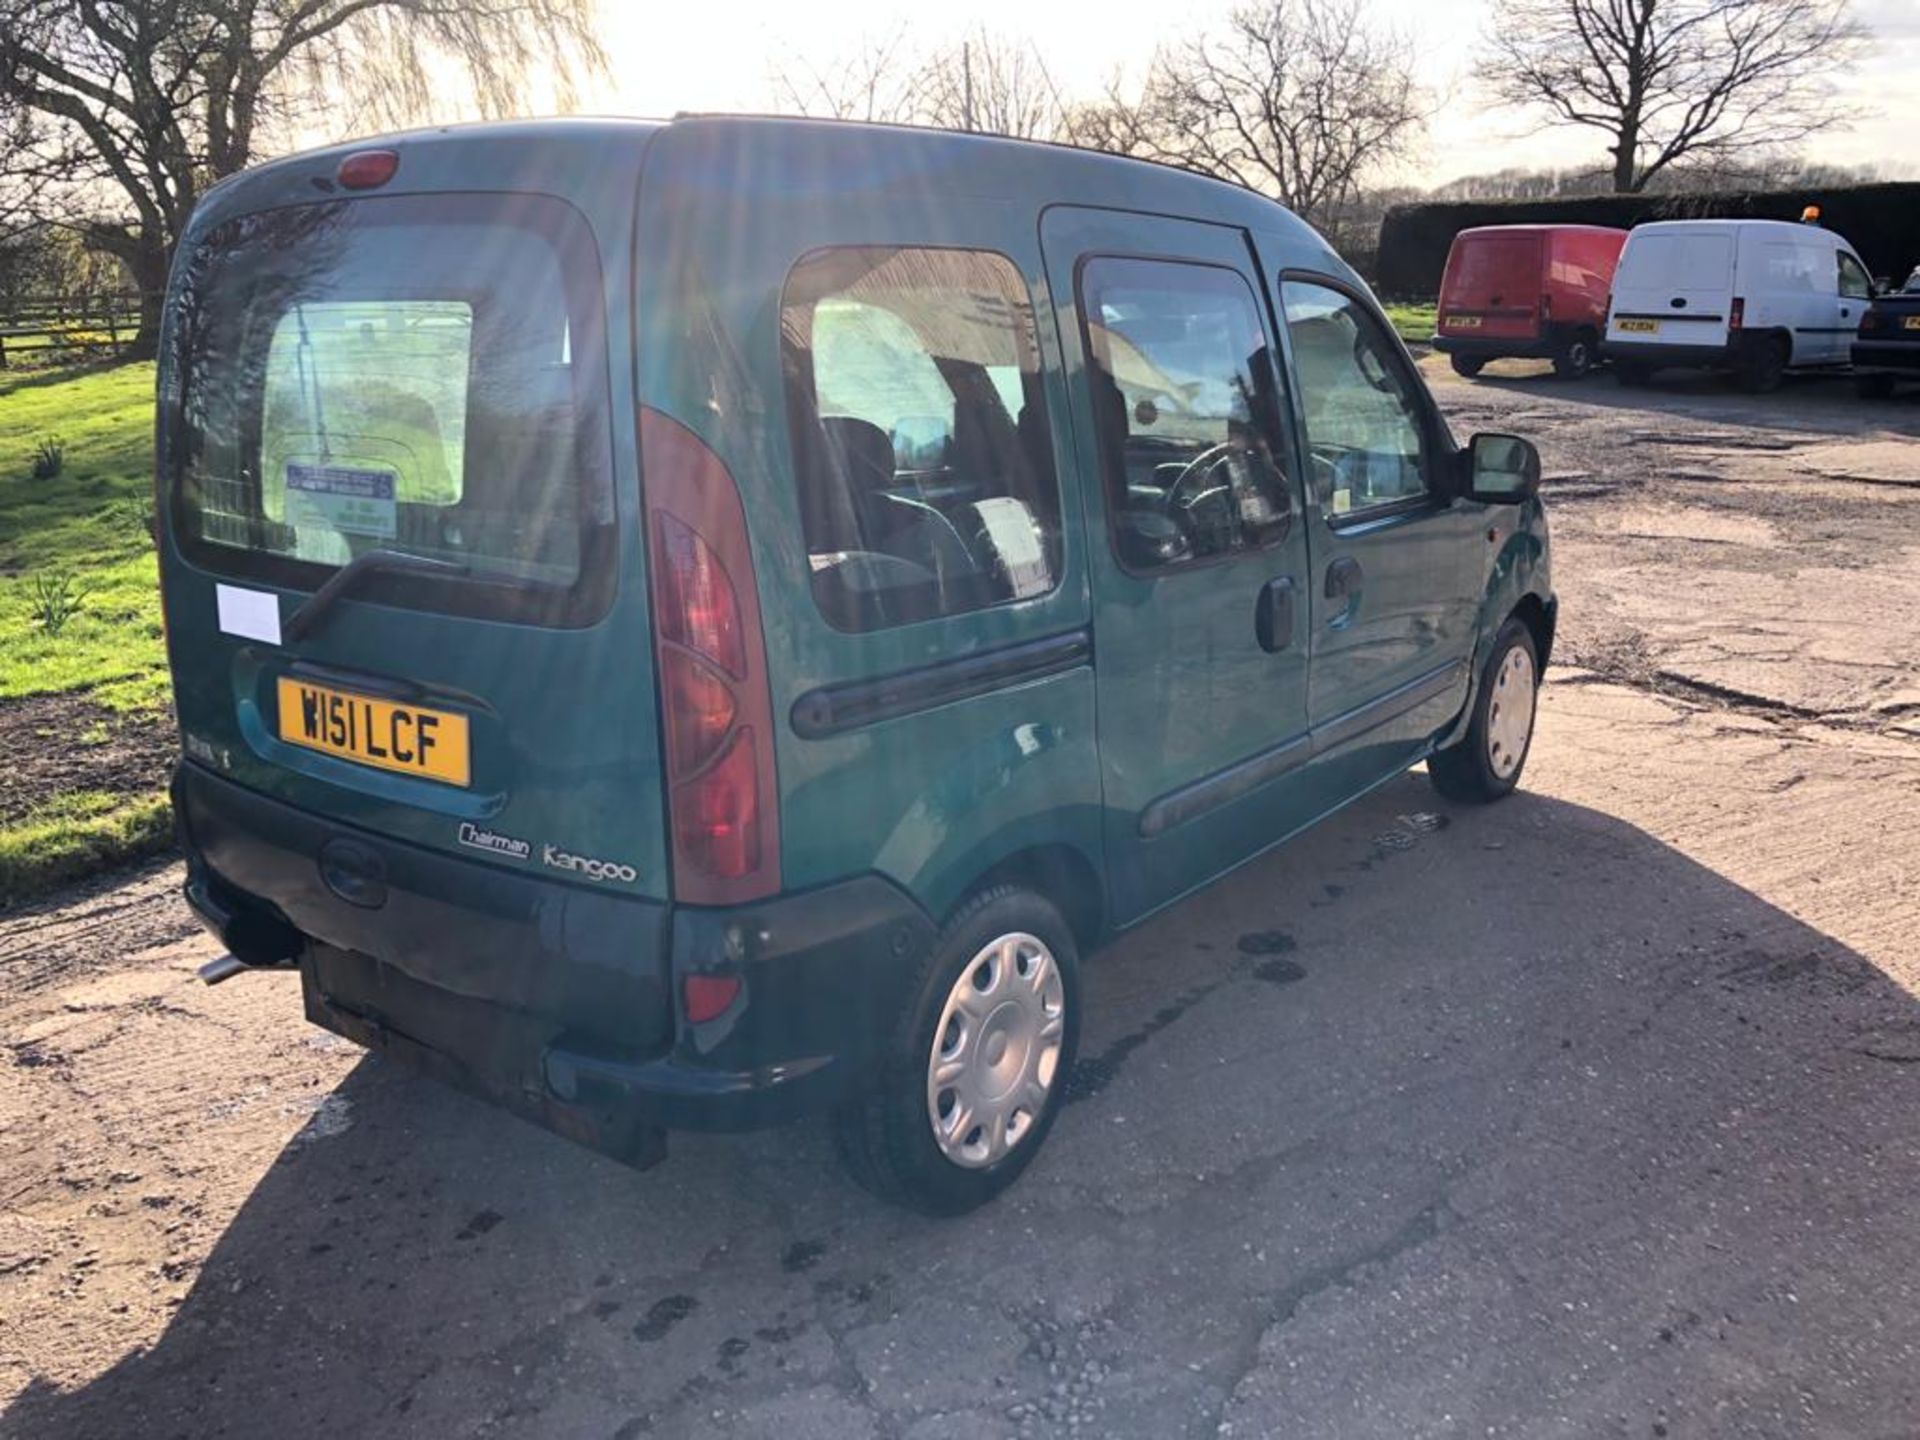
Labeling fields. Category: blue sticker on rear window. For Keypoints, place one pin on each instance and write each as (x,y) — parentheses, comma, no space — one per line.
(337,497)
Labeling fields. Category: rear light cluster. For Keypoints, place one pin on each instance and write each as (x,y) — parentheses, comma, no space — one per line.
(718,713)
(1736,316)
(367,169)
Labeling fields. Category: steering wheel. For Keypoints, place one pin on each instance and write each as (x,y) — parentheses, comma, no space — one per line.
(1197,471)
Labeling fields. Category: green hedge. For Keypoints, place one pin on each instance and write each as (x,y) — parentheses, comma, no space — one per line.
(1882,222)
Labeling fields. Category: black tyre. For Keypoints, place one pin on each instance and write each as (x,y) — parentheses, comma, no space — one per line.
(1576,357)
(1764,366)
(1632,373)
(977,1067)
(1873,387)
(1486,762)
(1467,365)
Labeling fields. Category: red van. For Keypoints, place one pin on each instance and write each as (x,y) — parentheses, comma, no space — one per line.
(1536,292)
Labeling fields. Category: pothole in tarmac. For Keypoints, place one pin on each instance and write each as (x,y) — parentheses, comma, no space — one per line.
(1727,441)
(1870,462)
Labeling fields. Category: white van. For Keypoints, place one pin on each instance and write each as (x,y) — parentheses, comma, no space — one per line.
(1757,297)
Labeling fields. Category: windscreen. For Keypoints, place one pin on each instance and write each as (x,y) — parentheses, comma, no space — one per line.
(419,374)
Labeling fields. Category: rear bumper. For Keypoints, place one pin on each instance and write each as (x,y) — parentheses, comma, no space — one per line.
(554,1000)
(1542,346)
(1895,357)
(1654,355)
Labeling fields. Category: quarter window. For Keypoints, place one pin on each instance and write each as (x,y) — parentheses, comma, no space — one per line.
(1185,406)
(1365,426)
(919,431)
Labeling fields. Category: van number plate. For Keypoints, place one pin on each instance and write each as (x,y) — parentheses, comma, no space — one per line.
(407,738)
(1639,327)
(1463,322)
(1912,322)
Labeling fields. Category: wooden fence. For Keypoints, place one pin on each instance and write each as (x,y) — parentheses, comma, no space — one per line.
(66,326)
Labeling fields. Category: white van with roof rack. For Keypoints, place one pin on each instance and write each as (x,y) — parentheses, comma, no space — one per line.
(1755,297)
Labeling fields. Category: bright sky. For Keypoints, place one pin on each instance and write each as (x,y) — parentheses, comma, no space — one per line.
(718,55)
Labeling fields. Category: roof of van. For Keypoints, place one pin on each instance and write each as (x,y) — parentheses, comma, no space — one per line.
(1099,177)
(1796,227)
(1543,230)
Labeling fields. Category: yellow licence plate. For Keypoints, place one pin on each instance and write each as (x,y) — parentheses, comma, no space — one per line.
(1463,322)
(1911,322)
(1639,327)
(407,738)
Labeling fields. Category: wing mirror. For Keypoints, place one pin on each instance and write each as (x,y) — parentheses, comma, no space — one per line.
(1502,469)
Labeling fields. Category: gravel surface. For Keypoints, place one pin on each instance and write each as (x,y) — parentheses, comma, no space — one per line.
(1593,1113)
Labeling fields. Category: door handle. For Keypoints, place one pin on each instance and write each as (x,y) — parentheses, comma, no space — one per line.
(1343,578)
(1273,616)
(1343,583)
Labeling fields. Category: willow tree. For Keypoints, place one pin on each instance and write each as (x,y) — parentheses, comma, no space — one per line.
(116,115)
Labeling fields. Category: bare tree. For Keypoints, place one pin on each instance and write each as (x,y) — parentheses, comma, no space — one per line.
(983,82)
(993,86)
(1301,99)
(1671,81)
(875,82)
(115,117)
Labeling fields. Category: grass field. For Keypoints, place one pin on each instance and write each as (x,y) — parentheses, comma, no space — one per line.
(81,533)
(88,523)
(1414,320)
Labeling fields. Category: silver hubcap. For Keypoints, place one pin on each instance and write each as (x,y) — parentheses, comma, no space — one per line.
(1510,713)
(996,1050)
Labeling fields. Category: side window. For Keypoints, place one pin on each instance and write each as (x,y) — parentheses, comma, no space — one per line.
(1186,406)
(919,430)
(1855,283)
(1366,428)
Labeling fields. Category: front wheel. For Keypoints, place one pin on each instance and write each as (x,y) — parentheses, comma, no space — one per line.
(975,1073)
(1485,763)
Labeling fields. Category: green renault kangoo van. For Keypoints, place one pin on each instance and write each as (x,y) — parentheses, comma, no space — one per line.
(683,625)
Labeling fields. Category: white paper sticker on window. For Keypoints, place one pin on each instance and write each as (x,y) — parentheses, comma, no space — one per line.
(250,614)
(1016,539)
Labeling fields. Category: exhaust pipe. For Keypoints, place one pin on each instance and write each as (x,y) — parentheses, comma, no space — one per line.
(225,967)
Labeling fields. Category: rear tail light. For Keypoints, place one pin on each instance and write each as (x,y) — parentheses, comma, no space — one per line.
(1870,321)
(706,997)
(1546,305)
(1737,315)
(367,169)
(717,710)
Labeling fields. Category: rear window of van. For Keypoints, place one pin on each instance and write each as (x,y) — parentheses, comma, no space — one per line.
(1485,266)
(1686,262)
(420,374)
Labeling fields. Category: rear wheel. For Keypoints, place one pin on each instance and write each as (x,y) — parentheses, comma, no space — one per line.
(975,1073)
(1764,366)
(1486,762)
(1467,365)
(1873,387)
(1576,356)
